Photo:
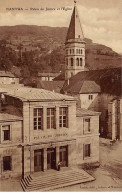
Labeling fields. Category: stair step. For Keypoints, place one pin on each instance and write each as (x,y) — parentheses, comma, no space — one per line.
(47,188)
(41,182)
(55,183)
(29,178)
(23,185)
(64,185)
(54,175)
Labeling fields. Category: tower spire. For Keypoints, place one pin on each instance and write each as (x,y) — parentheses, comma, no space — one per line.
(74,46)
(75,29)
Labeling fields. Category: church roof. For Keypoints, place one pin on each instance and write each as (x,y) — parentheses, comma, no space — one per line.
(84,87)
(109,81)
(75,30)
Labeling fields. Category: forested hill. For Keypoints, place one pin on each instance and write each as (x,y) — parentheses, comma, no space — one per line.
(29,49)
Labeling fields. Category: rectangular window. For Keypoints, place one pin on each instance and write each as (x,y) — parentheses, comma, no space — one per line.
(90,97)
(6,163)
(38,119)
(51,118)
(87,150)
(6,132)
(86,125)
(63,117)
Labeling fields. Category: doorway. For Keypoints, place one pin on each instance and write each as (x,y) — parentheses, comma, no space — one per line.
(38,160)
(51,158)
(64,156)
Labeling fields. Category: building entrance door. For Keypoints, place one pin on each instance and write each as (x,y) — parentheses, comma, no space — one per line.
(38,160)
(64,156)
(51,158)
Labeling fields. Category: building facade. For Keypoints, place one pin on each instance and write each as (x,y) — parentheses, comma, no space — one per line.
(42,128)
(49,76)
(8,78)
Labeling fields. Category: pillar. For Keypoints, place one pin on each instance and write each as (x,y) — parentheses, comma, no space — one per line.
(57,117)
(0,166)
(45,159)
(45,118)
(31,160)
(57,154)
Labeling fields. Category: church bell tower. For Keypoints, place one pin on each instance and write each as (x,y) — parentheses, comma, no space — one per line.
(74,46)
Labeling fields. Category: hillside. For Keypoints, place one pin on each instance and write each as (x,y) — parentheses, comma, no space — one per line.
(36,49)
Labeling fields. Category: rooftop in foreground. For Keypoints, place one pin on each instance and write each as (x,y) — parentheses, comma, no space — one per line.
(34,94)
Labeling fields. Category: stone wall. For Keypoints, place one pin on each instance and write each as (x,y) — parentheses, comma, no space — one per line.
(91,138)
(16,161)
(11,148)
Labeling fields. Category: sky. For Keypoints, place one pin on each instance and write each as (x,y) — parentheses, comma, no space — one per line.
(101,20)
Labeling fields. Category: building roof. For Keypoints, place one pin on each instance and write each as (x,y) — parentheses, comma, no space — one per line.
(11,85)
(6,74)
(84,112)
(55,86)
(9,117)
(34,94)
(75,30)
(60,77)
(109,81)
(48,74)
(84,87)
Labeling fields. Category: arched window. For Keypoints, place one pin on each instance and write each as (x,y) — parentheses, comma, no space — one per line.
(77,61)
(70,51)
(71,61)
(67,61)
(73,51)
(76,50)
(80,61)
(81,51)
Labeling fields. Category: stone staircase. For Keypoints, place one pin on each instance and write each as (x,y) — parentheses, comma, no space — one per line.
(55,180)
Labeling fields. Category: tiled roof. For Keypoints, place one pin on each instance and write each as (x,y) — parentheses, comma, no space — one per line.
(55,86)
(90,87)
(9,117)
(85,112)
(34,94)
(84,87)
(109,80)
(6,74)
(61,77)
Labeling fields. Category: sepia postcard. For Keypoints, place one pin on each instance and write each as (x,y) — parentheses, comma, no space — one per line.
(60,96)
